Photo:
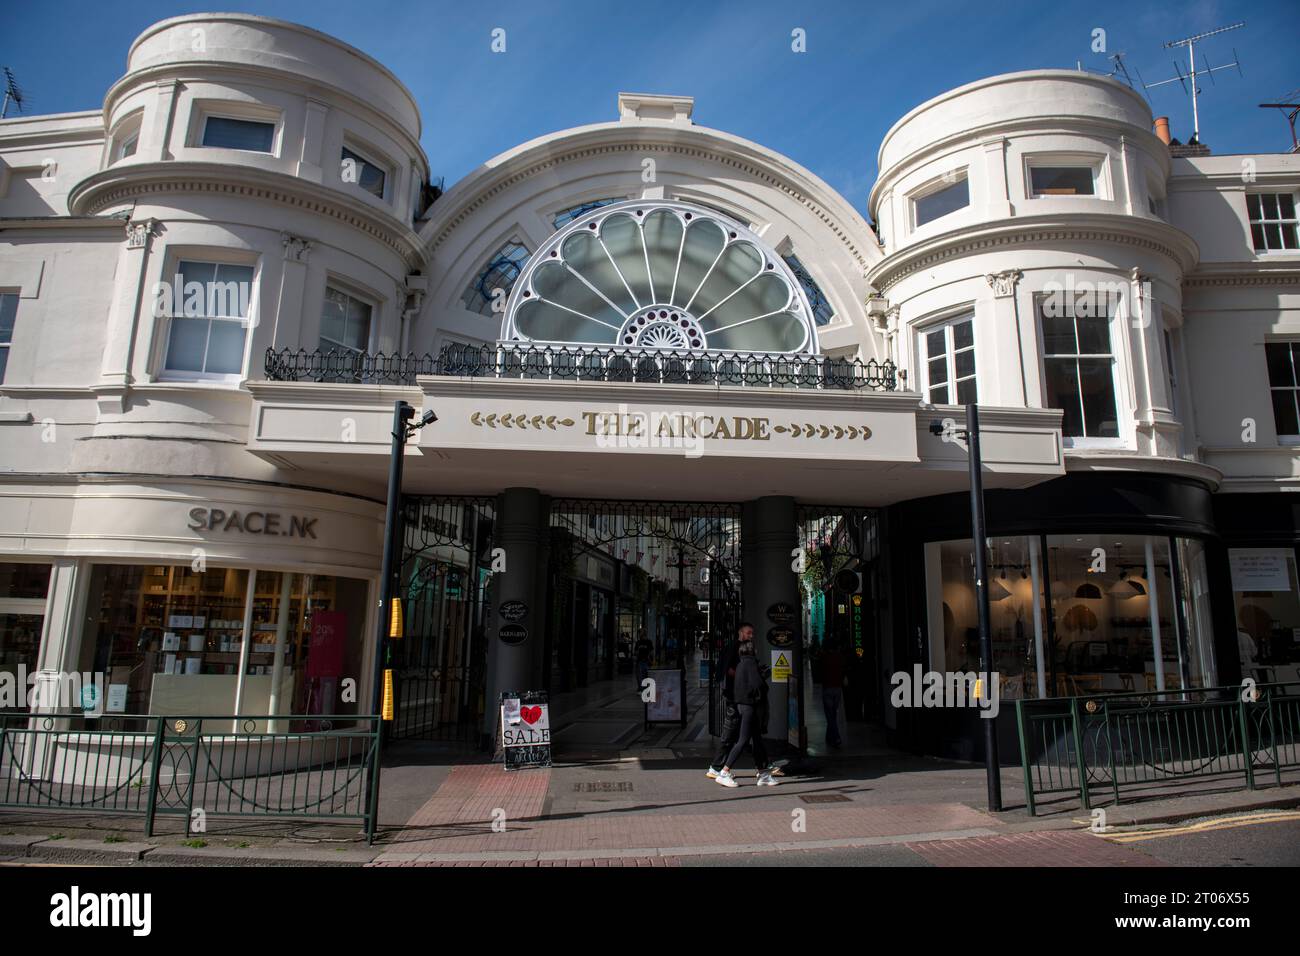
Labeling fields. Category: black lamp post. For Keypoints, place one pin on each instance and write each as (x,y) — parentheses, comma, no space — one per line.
(402,430)
(980,542)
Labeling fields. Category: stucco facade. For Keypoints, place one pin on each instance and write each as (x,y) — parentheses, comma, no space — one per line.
(293,162)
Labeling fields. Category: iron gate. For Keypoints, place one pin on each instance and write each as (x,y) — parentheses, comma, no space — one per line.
(691,548)
(440,664)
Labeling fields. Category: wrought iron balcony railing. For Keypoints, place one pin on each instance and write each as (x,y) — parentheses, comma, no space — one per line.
(572,364)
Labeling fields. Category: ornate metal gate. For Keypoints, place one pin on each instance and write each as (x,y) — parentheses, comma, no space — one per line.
(690,550)
(440,663)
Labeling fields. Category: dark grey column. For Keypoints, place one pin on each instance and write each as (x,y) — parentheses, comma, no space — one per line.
(520,531)
(768,538)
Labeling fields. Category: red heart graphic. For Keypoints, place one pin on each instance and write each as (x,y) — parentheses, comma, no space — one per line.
(530,715)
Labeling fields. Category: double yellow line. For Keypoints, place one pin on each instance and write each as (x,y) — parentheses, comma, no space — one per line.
(1205,826)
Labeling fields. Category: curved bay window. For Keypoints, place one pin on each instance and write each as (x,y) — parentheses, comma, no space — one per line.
(1076,614)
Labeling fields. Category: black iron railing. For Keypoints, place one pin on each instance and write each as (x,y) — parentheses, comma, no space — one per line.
(1087,746)
(297,767)
(574,364)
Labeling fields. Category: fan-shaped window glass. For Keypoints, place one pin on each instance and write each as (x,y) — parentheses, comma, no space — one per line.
(660,274)
(500,272)
(821,307)
(566,216)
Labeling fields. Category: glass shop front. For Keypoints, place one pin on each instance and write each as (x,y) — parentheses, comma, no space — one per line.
(170,639)
(1076,614)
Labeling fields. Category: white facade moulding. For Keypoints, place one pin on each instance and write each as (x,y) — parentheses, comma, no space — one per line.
(121,185)
(1051,233)
(222,523)
(674,441)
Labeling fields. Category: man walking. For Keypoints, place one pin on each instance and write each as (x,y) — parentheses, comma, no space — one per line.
(727,661)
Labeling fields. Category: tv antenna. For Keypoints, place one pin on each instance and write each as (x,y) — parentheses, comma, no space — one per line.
(1117,69)
(13,92)
(1193,72)
(1289,103)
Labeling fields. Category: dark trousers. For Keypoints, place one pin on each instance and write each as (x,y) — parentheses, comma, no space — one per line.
(730,731)
(749,732)
(831,697)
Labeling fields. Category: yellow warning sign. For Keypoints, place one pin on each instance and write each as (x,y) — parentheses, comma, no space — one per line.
(780,666)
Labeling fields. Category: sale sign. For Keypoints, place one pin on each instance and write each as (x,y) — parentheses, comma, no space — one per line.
(526,731)
(534,727)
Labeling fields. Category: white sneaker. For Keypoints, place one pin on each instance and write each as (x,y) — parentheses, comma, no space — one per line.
(725,778)
(766,780)
(712,773)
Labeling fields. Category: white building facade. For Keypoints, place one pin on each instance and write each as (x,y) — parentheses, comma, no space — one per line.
(214,289)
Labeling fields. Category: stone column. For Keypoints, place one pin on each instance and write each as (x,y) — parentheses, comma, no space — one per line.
(1012,342)
(768,539)
(287,327)
(129,300)
(520,531)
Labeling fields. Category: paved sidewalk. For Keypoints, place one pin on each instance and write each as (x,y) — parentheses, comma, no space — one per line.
(647,804)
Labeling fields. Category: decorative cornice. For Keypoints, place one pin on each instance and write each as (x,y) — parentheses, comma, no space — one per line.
(1049,231)
(134,181)
(630,144)
(644,393)
(1239,274)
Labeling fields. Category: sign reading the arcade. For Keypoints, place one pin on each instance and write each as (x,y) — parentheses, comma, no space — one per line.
(683,431)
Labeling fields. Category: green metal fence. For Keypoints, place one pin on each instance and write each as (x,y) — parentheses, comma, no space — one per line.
(1115,743)
(316,767)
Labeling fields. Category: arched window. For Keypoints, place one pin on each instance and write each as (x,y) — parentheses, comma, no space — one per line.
(821,307)
(566,216)
(500,272)
(660,274)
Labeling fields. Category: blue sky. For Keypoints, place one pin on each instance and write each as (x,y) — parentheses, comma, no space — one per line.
(866,63)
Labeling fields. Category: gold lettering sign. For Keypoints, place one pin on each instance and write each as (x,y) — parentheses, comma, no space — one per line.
(676,425)
(682,426)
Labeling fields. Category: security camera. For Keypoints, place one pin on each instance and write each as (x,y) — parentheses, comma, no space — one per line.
(428,418)
(936,427)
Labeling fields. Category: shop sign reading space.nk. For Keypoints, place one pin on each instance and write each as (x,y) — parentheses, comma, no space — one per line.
(252,522)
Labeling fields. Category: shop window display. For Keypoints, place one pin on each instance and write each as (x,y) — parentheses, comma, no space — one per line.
(1077,614)
(171,639)
(1266,599)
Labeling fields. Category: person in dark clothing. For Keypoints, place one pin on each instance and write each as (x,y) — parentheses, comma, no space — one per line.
(749,691)
(833,665)
(642,651)
(728,658)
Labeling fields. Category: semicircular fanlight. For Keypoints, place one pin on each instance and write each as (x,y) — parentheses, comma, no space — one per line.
(660,275)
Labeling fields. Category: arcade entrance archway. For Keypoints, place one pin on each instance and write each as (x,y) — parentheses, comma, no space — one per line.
(524,592)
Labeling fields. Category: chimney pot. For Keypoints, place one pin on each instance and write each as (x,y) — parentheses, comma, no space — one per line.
(1162,129)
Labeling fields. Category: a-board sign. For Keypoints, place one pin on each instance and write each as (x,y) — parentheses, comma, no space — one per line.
(513,611)
(780,636)
(525,730)
(512,633)
(782,613)
(669,702)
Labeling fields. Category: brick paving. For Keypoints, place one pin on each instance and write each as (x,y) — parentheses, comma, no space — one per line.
(633,861)
(1052,848)
(472,793)
(447,824)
